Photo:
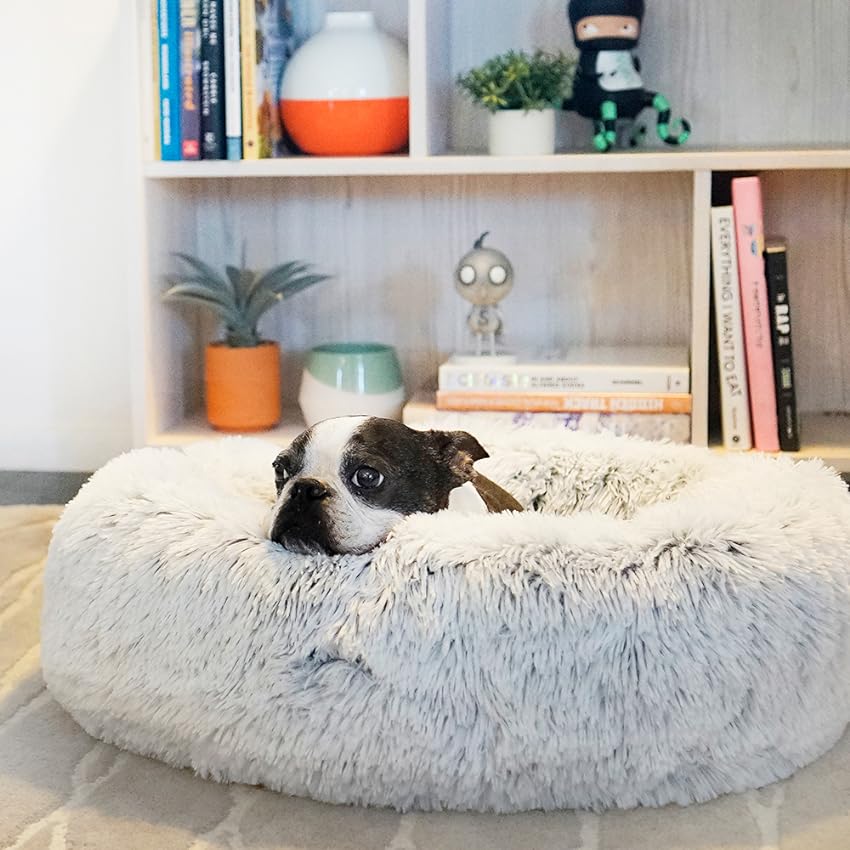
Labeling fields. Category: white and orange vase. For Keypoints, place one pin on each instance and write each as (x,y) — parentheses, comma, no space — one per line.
(345,90)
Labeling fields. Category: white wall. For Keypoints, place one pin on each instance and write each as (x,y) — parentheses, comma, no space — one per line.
(68,200)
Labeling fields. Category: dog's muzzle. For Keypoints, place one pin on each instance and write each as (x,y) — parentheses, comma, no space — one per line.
(300,524)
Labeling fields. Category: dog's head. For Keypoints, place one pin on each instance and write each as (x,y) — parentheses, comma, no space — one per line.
(344,483)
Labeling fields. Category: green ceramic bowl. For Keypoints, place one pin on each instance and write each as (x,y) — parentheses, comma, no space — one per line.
(349,379)
(355,367)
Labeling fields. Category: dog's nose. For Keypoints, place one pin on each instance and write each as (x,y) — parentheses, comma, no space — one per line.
(309,489)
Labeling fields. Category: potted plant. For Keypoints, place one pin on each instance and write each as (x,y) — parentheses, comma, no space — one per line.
(241,372)
(522,91)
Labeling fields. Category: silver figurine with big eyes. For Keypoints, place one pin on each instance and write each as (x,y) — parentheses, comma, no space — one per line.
(484,277)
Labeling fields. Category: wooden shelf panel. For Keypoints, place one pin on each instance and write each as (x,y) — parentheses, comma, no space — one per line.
(564,163)
(827,436)
(196,428)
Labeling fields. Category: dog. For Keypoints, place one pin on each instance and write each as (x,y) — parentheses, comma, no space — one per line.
(343,484)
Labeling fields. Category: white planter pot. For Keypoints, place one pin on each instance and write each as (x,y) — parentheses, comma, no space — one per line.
(515,132)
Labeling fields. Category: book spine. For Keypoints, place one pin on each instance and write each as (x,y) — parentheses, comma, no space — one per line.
(776,270)
(168,15)
(639,403)
(213,143)
(190,79)
(734,388)
(248,38)
(150,87)
(749,230)
(275,44)
(561,378)
(232,80)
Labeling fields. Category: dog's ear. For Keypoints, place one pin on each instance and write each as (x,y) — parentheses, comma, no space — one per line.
(456,450)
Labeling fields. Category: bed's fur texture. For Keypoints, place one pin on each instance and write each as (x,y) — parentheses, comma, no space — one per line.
(670,625)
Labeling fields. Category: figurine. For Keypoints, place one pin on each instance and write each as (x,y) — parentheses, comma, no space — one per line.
(607,84)
(484,277)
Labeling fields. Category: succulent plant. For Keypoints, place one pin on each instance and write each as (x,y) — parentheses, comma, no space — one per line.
(520,80)
(240,296)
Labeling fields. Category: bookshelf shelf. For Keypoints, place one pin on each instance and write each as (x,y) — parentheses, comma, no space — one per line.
(827,436)
(195,427)
(608,248)
(564,163)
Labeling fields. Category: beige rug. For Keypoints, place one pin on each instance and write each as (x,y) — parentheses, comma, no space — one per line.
(62,790)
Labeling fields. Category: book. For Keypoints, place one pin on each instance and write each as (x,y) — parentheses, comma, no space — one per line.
(232,79)
(749,232)
(268,40)
(776,271)
(638,403)
(421,413)
(586,369)
(248,69)
(168,17)
(213,141)
(150,90)
(190,80)
(734,388)
(276,44)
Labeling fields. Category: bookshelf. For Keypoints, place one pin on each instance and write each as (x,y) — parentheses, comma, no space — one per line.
(607,248)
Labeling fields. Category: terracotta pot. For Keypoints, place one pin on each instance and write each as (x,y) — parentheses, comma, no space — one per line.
(243,386)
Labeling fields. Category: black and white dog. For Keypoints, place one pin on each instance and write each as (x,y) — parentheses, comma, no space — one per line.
(344,483)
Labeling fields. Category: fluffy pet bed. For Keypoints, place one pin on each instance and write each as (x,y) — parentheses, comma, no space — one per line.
(667,625)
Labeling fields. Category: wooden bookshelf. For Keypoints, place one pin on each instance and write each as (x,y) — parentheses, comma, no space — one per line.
(608,248)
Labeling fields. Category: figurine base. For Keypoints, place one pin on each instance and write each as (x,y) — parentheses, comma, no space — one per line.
(482,359)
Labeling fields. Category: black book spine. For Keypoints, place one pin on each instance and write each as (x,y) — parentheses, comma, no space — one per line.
(776,270)
(213,141)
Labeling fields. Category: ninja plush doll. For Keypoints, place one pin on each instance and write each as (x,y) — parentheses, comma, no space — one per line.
(607,85)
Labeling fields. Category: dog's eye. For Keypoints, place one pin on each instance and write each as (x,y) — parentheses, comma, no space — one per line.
(281,473)
(367,478)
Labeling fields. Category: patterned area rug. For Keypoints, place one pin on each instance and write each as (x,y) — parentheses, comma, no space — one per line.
(62,790)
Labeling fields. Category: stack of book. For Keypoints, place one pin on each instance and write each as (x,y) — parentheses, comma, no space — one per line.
(217,68)
(753,320)
(639,391)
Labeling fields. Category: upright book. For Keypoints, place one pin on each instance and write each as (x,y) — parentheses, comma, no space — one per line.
(749,230)
(190,80)
(248,67)
(268,40)
(776,270)
(734,389)
(168,65)
(213,142)
(232,79)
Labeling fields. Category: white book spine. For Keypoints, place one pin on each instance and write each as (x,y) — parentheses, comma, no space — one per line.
(232,80)
(734,389)
(563,377)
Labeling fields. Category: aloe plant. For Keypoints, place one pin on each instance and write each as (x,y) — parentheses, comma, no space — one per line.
(240,296)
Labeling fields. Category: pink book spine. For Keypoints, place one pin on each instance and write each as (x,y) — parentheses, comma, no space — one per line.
(749,229)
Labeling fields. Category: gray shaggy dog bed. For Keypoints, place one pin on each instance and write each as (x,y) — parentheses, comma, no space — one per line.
(665,625)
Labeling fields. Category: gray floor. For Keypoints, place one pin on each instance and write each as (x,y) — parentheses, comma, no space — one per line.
(39,488)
